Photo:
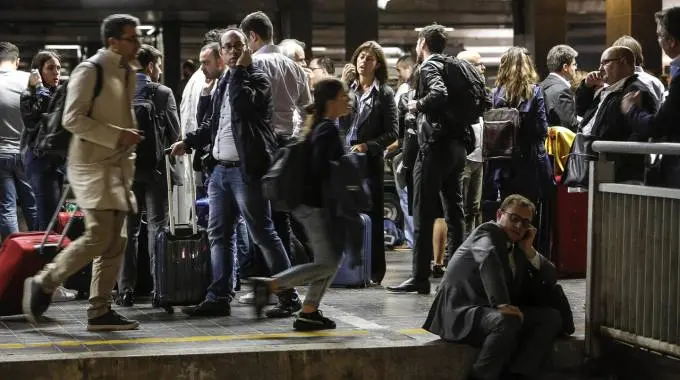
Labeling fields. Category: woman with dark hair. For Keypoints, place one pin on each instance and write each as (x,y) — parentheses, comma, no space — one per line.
(45,172)
(330,103)
(370,127)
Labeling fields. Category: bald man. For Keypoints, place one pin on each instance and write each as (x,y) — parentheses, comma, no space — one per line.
(598,100)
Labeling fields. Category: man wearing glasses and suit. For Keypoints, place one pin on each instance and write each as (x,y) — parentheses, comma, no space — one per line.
(489,296)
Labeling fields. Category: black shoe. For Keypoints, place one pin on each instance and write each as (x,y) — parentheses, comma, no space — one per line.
(34,302)
(287,306)
(126,299)
(262,292)
(312,321)
(411,286)
(437,271)
(111,321)
(208,309)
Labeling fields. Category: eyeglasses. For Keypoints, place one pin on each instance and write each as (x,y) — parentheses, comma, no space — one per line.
(514,219)
(606,61)
(235,46)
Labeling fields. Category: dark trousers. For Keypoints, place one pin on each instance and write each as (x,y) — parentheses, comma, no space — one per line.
(376,180)
(510,345)
(47,180)
(437,184)
(153,198)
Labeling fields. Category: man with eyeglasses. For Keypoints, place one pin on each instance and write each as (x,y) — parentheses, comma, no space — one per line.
(237,127)
(100,171)
(487,298)
(598,100)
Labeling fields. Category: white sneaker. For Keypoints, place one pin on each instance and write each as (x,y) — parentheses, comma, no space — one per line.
(61,294)
(249,299)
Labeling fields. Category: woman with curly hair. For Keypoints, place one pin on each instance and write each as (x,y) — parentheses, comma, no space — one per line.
(529,171)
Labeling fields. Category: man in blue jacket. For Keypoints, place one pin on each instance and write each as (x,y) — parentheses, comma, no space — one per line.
(236,124)
(663,124)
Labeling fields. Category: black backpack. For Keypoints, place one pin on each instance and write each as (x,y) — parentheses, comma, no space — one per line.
(149,122)
(52,138)
(285,178)
(465,85)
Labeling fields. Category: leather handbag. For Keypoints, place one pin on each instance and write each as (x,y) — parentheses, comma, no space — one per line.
(578,162)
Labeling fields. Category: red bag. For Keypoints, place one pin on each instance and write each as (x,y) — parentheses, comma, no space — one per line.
(571,237)
(20,258)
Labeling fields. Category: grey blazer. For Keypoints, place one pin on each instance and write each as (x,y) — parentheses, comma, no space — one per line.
(478,276)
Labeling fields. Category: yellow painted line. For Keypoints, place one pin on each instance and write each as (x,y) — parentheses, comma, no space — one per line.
(190,339)
(199,339)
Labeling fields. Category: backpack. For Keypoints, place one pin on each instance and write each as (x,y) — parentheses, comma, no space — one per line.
(284,180)
(151,149)
(466,90)
(499,133)
(52,138)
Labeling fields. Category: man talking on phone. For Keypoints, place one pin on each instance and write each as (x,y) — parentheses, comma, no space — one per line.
(236,124)
(488,297)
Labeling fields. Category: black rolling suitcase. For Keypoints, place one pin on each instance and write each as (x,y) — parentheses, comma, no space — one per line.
(182,272)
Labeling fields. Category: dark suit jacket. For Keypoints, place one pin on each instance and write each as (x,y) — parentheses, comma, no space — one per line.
(479,276)
(612,125)
(559,103)
(379,127)
(251,112)
(662,125)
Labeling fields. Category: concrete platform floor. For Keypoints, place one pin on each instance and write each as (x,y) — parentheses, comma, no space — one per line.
(372,318)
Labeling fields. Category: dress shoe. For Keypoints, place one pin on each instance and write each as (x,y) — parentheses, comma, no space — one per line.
(126,299)
(437,271)
(411,286)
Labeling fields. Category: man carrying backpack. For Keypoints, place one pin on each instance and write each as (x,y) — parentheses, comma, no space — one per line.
(157,119)
(449,96)
(100,171)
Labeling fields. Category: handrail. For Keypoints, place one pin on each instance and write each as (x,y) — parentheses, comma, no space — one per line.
(631,147)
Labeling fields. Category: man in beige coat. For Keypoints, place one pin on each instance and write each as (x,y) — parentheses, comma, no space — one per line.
(100,170)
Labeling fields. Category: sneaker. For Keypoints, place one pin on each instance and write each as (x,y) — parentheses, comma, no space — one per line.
(287,306)
(313,321)
(61,294)
(437,271)
(111,321)
(249,299)
(209,309)
(35,301)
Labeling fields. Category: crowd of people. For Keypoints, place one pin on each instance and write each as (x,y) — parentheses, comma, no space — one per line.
(470,218)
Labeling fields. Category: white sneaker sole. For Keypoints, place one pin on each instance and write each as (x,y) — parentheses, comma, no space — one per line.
(132,326)
(26,301)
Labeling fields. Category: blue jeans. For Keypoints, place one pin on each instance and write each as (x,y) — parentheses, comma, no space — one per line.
(408,219)
(15,190)
(46,179)
(229,196)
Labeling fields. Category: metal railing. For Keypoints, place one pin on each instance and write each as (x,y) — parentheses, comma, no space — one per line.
(633,277)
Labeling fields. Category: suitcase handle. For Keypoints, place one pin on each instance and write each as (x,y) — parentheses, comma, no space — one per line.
(192,192)
(64,193)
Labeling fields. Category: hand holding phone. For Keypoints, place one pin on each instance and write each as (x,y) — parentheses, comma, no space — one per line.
(527,242)
(35,79)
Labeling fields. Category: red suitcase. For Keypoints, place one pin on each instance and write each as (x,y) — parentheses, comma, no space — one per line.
(571,229)
(20,258)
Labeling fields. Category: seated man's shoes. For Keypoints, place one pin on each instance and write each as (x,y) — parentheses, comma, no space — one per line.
(411,286)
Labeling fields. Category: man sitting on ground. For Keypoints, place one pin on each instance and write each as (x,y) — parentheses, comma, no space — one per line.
(488,295)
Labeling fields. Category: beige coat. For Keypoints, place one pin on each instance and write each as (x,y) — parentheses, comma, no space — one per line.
(101,172)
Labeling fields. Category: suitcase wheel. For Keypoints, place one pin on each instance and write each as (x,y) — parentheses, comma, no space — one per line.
(169,309)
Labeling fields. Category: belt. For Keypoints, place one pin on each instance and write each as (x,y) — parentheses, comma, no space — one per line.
(230,164)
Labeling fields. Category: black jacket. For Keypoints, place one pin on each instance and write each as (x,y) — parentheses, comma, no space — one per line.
(380,127)
(251,112)
(611,124)
(34,104)
(662,126)
(559,103)
(432,101)
(326,146)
